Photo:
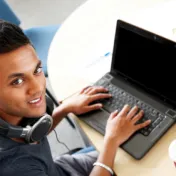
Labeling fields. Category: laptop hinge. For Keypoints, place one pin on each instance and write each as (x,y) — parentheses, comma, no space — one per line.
(113,73)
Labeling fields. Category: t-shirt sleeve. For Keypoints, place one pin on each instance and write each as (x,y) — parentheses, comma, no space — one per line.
(25,167)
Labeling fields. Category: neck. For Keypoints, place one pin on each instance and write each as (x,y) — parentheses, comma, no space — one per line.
(13,120)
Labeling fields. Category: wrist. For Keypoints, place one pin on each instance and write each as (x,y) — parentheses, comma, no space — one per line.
(67,106)
(108,153)
(105,167)
(61,109)
(113,142)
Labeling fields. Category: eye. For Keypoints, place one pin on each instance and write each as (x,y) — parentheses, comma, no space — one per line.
(17,81)
(38,70)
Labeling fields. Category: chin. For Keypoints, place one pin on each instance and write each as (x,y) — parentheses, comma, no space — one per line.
(37,114)
(37,111)
(40,114)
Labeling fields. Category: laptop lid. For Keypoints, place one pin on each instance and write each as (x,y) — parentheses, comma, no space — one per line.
(145,59)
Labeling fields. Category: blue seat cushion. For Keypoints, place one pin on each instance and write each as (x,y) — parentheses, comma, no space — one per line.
(41,38)
(85,150)
(7,14)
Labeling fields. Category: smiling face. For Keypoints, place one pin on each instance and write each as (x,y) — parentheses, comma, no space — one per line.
(22,84)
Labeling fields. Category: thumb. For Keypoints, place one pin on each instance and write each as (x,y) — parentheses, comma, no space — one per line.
(93,107)
(114,114)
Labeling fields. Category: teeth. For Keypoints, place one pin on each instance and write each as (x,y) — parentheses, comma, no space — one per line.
(34,101)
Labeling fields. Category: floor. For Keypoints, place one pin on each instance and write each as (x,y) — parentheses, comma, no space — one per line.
(45,12)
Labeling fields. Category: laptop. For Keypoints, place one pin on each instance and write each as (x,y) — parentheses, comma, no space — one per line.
(142,73)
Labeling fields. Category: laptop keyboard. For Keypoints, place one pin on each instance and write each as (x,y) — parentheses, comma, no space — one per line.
(120,98)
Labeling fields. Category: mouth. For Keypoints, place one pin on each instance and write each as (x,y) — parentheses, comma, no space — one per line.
(36,102)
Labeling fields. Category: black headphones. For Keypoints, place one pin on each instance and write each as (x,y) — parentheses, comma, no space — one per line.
(32,129)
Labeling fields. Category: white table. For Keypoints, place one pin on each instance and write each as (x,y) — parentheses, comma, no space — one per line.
(88,34)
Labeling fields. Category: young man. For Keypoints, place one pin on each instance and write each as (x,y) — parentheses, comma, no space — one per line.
(22,94)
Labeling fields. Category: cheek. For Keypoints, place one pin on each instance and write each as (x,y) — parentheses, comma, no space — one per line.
(12,97)
(43,80)
(17,96)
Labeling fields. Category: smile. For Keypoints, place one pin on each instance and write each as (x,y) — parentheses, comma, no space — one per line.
(37,100)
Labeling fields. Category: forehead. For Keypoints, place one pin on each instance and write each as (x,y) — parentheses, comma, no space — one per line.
(21,60)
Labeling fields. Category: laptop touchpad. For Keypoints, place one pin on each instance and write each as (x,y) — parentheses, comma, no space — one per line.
(99,116)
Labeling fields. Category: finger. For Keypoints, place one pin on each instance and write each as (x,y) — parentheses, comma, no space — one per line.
(114,114)
(138,116)
(84,89)
(132,112)
(88,90)
(124,110)
(93,107)
(96,90)
(142,125)
(99,96)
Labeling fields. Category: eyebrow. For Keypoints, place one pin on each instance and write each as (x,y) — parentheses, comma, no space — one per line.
(13,75)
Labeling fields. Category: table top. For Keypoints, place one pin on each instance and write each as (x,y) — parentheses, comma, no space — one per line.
(86,36)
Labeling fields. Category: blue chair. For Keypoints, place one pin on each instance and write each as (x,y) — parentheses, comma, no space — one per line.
(41,38)
(6,13)
(85,150)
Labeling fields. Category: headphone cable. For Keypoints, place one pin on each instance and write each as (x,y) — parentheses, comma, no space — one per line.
(60,141)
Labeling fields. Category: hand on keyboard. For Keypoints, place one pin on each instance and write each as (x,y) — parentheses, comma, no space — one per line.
(86,100)
(121,125)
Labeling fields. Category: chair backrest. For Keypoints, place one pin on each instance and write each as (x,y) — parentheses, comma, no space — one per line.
(6,13)
(41,38)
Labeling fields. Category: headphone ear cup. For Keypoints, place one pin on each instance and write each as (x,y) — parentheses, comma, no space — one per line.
(40,129)
(42,126)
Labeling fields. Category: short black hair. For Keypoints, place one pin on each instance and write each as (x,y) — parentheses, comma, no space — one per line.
(11,37)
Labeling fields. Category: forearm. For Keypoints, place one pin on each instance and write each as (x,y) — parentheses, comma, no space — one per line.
(58,114)
(106,156)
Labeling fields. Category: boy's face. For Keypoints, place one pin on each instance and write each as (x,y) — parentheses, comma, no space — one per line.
(22,83)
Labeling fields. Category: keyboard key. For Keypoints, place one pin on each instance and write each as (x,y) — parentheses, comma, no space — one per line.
(152,117)
(121,97)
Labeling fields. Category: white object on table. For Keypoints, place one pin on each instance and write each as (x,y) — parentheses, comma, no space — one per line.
(172,151)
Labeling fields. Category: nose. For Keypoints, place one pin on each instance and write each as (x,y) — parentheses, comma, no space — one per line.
(35,87)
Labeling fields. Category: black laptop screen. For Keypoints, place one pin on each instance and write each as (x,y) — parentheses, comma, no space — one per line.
(147,60)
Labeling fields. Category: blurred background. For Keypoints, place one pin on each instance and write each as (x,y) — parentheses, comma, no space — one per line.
(43,12)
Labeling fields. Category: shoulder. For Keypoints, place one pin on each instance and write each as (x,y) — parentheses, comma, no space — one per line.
(23,166)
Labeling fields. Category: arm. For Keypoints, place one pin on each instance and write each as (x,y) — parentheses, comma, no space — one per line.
(79,103)
(120,126)
(106,156)
(58,114)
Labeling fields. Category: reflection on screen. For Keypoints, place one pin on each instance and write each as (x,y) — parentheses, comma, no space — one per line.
(147,61)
